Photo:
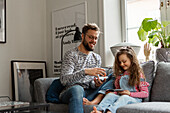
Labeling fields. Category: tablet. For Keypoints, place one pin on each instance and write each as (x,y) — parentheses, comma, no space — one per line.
(115,90)
(118,90)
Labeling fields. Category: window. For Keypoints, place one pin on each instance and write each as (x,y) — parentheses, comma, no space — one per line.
(135,11)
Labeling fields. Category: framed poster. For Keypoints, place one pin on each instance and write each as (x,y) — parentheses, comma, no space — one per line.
(2,21)
(24,73)
(64,20)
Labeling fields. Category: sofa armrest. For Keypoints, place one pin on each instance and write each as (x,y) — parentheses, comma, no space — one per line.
(41,86)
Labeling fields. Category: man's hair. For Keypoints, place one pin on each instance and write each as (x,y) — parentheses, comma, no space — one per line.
(89,26)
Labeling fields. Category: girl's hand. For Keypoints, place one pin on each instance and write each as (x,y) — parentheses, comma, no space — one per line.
(125,92)
(107,92)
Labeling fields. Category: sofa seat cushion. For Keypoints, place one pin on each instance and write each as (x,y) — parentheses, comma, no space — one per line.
(58,108)
(146,107)
(63,108)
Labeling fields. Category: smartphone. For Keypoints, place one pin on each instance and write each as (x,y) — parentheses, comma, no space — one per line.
(102,78)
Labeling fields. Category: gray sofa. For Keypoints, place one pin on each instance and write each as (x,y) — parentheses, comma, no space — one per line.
(158,101)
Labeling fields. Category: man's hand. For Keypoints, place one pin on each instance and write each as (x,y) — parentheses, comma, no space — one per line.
(95,71)
(98,82)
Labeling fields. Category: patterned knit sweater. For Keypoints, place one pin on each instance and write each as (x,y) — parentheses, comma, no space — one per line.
(141,91)
(73,67)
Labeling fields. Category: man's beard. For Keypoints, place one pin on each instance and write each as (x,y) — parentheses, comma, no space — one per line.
(87,46)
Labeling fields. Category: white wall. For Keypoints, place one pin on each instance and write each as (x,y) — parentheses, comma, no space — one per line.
(26,31)
(29,35)
(110,22)
(105,13)
(92,16)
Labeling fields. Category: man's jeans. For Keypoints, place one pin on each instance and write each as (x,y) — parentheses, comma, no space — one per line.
(74,95)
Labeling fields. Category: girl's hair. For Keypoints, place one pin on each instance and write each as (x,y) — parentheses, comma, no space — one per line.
(134,69)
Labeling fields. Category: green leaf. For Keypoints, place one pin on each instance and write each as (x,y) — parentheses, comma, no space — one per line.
(156,44)
(168,39)
(148,24)
(154,39)
(154,33)
(150,36)
(159,26)
(150,40)
(142,34)
(165,23)
(157,32)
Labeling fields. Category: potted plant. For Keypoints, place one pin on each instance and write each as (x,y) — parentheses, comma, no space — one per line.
(156,34)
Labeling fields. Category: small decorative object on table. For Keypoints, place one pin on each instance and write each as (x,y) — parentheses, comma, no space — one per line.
(12,103)
(9,106)
(5,101)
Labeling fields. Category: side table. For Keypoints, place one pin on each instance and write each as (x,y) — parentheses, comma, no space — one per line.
(35,111)
(24,107)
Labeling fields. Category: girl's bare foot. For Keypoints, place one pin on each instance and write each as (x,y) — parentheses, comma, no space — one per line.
(87,102)
(95,110)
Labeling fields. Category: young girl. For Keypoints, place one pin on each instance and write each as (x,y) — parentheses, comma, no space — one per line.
(130,78)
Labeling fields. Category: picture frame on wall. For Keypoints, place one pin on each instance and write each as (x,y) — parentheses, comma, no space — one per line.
(61,24)
(2,21)
(24,73)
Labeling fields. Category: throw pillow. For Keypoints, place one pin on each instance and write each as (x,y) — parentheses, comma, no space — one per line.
(148,69)
(52,95)
(161,89)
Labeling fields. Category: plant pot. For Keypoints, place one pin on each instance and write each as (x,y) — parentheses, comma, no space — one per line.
(163,54)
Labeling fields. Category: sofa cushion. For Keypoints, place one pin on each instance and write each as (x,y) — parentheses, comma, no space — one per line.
(148,69)
(63,108)
(88,108)
(161,84)
(53,92)
(58,108)
(41,86)
(145,107)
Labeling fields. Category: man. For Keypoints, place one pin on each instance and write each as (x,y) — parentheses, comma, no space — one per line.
(80,70)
